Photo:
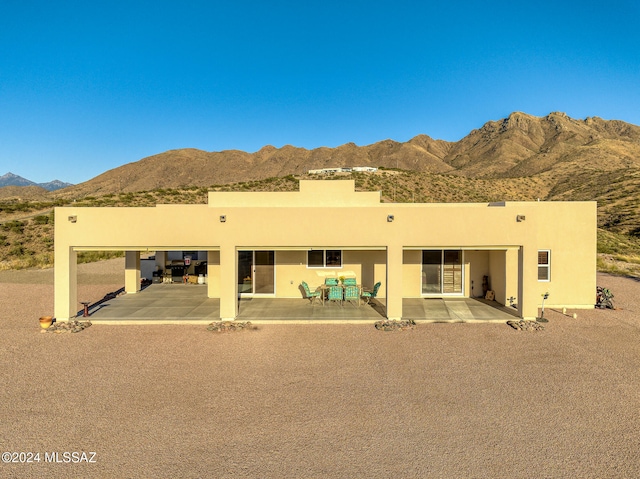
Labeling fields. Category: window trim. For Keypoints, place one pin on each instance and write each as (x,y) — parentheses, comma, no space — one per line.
(324,259)
(546,265)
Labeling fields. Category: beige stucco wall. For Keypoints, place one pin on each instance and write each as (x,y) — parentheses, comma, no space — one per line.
(572,239)
(477,266)
(330,215)
(412,273)
(511,272)
(498,275)
(213,274)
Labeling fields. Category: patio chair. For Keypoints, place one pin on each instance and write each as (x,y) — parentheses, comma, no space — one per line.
(349,282)
(310,295)
(331,281)
(351,294)
(335,293)
(369,295)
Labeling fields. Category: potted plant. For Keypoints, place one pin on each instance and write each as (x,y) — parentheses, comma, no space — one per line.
(45,321)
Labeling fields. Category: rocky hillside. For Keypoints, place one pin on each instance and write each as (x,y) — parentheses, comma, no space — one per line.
(522,156)
(521,145)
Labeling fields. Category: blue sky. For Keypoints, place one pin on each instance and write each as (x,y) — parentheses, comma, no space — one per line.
(86,86)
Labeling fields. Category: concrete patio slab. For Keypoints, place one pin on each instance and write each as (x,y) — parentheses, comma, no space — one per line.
(188,304)
(456,310)
(159,304)
(302,311)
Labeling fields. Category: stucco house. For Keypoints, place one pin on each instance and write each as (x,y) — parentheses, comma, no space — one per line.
(265,244)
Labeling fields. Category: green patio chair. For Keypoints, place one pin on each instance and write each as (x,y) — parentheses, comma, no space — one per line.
(335,293)
(349,282)
(369,295)
(310,295)
(331,281)
(352,294)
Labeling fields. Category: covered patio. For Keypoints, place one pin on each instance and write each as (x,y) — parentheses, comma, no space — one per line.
(263,245)
(189,304)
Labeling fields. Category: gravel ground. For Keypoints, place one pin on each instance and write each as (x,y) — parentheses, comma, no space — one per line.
(330,401)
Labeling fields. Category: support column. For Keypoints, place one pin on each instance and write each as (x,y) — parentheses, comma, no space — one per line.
(228,283)
(161,260)
(213,274)
(511,275)
(65,283)
(132,272)
(394,282)
(527,281)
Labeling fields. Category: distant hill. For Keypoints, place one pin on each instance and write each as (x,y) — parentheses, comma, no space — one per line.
(559,157)
(23,193)
(9,179)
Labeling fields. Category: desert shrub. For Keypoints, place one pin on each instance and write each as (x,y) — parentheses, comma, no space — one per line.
(17,250)
(627,258)
(14,226)
(41,220)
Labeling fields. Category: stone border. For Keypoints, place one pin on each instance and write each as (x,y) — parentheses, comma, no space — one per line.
(395,325)
(230,326)
(71,326)
(526,325)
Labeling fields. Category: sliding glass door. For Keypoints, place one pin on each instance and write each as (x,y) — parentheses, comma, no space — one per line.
(263,272)
(256,272)
(441,271)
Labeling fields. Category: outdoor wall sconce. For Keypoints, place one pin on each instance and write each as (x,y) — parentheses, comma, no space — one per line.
(223,218)
(520,218)
(390,218)
(73,219)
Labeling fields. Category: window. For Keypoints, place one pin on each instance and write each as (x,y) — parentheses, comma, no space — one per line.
(324,258)
(315,259)
(544,264)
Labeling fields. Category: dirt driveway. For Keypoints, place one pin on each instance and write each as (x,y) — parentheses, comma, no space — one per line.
(337,401)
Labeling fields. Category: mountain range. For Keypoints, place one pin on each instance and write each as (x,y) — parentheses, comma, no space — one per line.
(9,179)
(554,157)
(520,145)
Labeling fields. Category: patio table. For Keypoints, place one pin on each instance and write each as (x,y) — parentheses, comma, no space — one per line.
(323,288)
